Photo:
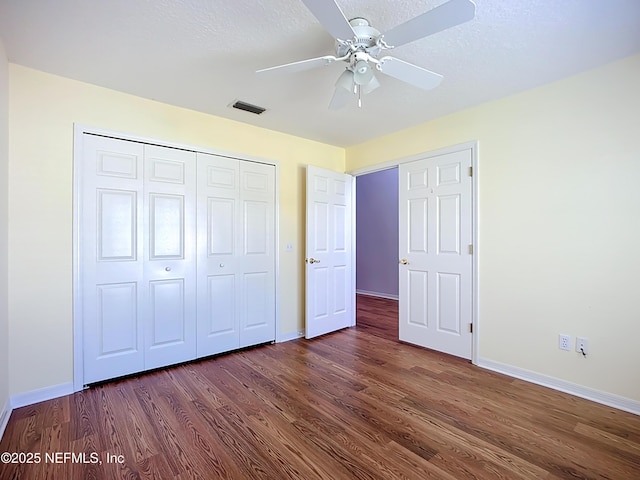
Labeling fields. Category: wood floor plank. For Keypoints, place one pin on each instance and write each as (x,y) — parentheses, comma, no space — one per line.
(608,440)
(323,436)
(377,316)
(142,442)
(183,443)
(414,466)
(353,404)
(246,456)
(55,439)
(87,444)
(300,451)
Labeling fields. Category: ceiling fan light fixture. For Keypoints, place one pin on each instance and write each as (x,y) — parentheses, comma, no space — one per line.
(362,72)
(344,90)
(359,44)
(371,86)
(345,80)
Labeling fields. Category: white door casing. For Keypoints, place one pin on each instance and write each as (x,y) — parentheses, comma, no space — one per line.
(436,263)
(330,286)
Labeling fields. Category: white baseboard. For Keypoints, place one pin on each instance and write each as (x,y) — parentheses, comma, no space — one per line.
(289,336)
(609,399)
(40,395)
(5,413)
(377,294)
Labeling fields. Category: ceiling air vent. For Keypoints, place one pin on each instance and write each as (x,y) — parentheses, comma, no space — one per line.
(247,107)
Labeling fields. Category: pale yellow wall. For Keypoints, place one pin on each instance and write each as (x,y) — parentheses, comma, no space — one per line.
(559,225)
(4,228)
(559,175)
(42,111)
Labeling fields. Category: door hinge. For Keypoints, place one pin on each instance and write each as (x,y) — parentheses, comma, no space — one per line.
(471,328)
(470,249)
(471,171)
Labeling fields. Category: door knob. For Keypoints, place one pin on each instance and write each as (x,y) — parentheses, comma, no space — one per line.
(167,269)
(404,261)
(312,260)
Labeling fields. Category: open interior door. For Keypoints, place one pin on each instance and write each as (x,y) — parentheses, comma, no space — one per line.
(435,253)
(330,282)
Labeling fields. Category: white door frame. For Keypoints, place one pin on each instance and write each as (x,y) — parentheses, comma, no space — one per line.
(78,156)
(473,145)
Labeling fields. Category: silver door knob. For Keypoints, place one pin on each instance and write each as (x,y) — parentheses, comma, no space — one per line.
(312,260)
(221,265)
(167,269)
(404,261)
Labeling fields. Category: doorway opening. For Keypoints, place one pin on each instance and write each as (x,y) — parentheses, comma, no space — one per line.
(434,258)
(377,253)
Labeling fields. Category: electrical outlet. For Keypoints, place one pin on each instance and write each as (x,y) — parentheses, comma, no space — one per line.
(582,345)
(564,342)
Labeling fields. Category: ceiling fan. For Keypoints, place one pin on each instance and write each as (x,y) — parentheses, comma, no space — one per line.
(360,45)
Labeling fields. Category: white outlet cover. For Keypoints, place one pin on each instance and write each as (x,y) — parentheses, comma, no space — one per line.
(564,342)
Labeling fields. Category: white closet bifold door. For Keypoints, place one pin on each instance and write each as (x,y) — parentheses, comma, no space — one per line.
(138,261)
(257,305)
(236,254)
(111,260)
(176,257)
(170,256)
(219,251)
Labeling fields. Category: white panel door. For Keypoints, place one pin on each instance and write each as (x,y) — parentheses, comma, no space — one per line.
(112,268)
(176,257)
(219,247)
(435,259)
(170,266)
(330,290)
(257,305)
(236,254)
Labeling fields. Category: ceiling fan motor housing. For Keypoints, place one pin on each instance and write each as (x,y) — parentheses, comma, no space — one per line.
(366,39)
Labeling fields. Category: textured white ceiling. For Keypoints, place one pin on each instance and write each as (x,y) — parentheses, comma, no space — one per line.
(202,54)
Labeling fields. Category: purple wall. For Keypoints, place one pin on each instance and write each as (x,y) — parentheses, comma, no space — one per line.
(377,233)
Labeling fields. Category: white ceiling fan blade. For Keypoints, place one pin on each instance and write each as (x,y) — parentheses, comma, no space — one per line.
(331,18)
(300,66)
(447,15)
(409,73)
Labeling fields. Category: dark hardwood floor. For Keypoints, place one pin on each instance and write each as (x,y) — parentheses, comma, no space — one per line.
(377,316)
(347,405)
